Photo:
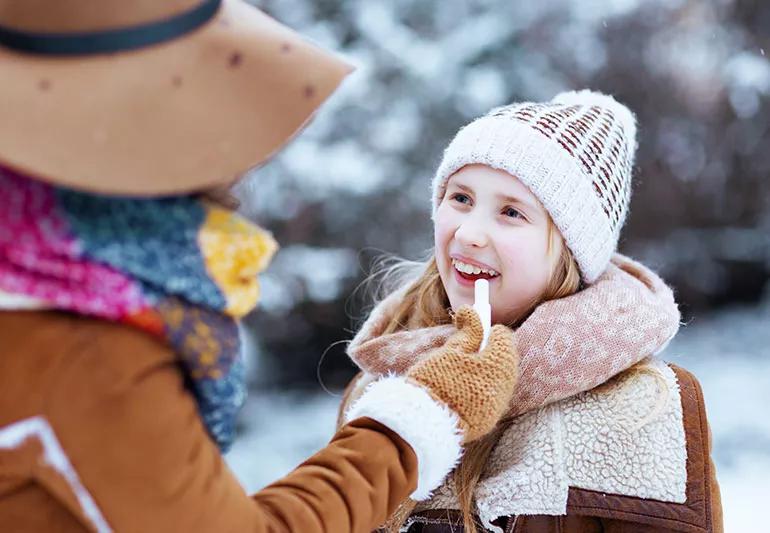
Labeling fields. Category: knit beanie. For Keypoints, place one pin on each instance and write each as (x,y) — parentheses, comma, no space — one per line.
(574,153)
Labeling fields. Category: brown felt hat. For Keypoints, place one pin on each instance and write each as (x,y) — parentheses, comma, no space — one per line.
(151,97)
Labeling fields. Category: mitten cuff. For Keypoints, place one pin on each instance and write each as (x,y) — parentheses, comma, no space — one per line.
(429,426)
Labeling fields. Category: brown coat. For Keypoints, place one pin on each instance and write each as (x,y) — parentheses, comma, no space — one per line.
(122,418)
(594,512)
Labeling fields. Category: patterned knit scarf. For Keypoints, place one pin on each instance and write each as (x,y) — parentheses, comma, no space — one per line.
(176,267)
(567,346)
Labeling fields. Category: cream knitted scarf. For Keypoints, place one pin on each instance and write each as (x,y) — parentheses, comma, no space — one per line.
(567,346)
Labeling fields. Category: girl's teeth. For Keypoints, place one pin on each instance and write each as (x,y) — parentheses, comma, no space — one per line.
(471,269)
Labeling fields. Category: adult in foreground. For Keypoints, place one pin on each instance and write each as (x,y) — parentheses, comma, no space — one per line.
(121,283)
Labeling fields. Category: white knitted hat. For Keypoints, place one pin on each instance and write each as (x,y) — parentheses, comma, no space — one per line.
(575,153)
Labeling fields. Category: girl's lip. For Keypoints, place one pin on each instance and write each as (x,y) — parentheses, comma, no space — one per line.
(466,282)
(469,261)
(461,280)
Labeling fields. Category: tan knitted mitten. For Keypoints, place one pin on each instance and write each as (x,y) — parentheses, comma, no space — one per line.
(476,386)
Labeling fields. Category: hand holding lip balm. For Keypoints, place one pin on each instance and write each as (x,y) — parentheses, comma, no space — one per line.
(482,307)
(478,382)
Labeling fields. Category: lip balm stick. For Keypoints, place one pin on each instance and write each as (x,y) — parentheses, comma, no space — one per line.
(482,307)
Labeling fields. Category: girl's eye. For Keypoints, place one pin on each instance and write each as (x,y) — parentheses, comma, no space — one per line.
(511,212)
(461,198)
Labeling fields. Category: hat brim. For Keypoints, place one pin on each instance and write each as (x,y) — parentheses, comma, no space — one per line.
(182,116)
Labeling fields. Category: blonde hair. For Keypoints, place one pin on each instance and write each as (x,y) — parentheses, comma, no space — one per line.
(426,304)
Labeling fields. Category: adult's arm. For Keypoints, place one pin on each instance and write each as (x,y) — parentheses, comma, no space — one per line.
(116,403)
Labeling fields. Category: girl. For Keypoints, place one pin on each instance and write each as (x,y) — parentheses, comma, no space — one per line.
(600,435)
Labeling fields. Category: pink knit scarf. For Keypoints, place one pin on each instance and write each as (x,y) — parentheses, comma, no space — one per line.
(567,346)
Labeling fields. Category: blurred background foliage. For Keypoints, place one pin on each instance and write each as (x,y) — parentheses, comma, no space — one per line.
(355,183)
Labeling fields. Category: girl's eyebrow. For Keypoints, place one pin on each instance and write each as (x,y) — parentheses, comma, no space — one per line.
(518,201)
(504,198)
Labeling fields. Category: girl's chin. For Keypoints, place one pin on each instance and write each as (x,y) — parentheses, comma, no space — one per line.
(456,301)
(460,290)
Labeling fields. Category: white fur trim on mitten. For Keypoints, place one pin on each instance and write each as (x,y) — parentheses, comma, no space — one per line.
(430,427)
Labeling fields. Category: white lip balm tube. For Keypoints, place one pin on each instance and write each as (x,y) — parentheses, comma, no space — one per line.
(482,307)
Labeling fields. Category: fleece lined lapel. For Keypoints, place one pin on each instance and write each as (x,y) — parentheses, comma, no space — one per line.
(626,438)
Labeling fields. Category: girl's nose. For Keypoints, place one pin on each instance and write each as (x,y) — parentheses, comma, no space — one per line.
(471,234)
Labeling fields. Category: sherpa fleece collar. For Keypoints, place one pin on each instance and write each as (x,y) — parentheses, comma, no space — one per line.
(625,437)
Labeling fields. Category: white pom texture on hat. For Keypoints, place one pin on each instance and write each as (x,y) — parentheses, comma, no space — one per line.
(575,153)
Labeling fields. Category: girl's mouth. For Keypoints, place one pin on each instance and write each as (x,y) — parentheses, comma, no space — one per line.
(468,273)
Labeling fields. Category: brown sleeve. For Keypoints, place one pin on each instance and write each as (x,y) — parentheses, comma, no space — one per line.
(353,484)
(133,435)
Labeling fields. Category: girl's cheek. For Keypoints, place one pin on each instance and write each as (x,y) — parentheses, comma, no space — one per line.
(443,229)
(524,255)
(438,238)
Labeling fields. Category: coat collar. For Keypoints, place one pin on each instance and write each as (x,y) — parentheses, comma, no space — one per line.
(625,437)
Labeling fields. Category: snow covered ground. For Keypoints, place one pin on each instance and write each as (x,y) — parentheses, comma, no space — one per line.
(729,352)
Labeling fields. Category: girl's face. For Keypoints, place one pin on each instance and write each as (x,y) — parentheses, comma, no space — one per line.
(490,225)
